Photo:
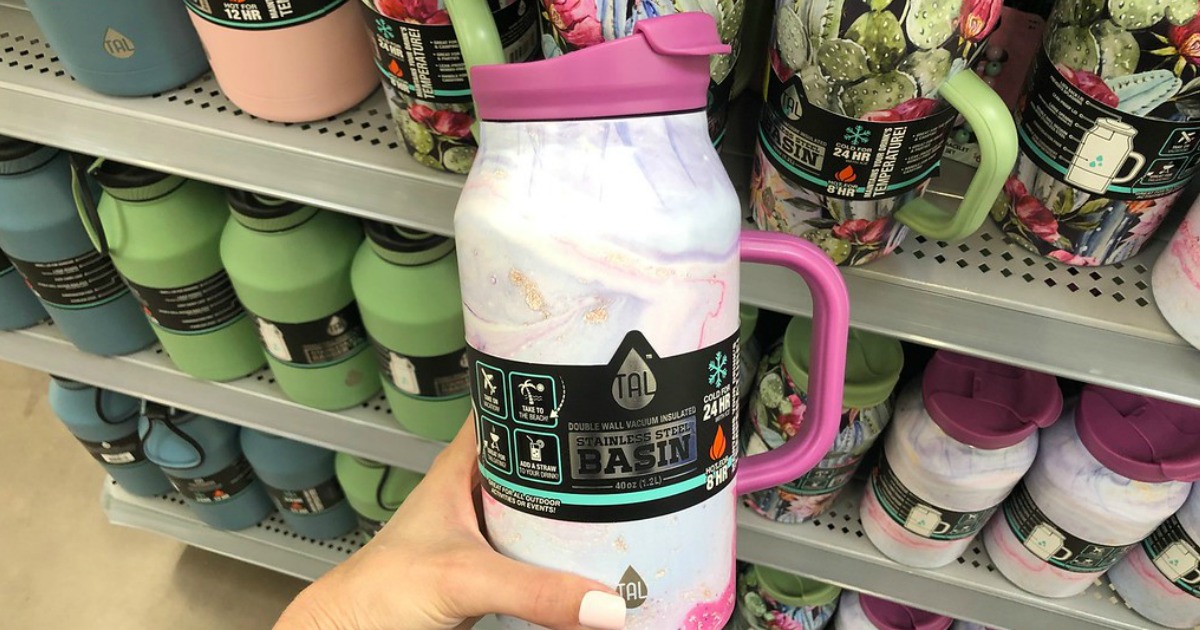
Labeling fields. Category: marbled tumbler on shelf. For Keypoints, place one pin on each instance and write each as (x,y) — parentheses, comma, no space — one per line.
(960,440)
(858,611)
(1176,279)
(1160,578)
(1107,474)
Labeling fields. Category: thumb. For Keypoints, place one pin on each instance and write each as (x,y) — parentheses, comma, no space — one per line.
(556,600)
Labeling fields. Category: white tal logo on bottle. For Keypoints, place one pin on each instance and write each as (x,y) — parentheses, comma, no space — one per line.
(634,386)
(118,45)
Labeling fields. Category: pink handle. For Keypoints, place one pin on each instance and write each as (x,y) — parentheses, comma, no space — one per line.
(831,330)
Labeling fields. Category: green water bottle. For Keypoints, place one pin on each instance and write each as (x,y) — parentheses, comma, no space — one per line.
(163,233)
(290,264)
(374,490)
(406,283)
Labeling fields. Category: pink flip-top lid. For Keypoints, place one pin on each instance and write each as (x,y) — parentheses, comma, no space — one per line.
(1139,437)
(661,67)
(986,404)
(892,616)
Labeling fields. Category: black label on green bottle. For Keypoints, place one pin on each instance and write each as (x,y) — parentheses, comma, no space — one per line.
(192,309)
(1053,544)
(82,281)
(313,500)
(261,14)
(637,437)
(1176,555)
(919,516)
(444,376)
(119,452)
(218,487)
(317,343)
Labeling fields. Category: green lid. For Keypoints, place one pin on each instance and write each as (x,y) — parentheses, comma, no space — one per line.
(749,319)
(873,363)
(793,590)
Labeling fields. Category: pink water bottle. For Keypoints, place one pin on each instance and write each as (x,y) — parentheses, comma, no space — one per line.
(287,60)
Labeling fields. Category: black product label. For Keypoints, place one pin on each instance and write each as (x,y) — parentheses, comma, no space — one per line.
(261,14)
(84,281)
(1085,143)
(126,450)
(848,158)
(638,437)
(824,480)
(370,526)
(444,376)
(417,50)
(718,99)
(1053,544)
(192,309)
(318,343)
(920,516)
(1176,555)
(217,487)
(308,500)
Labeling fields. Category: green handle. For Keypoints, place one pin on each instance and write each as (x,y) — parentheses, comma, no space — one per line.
(477,36)
(993,125)
(85,200)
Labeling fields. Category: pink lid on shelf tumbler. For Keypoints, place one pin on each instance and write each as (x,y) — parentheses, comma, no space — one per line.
(859,611)
(287,60)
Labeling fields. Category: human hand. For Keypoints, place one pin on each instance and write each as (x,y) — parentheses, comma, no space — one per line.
(431,568)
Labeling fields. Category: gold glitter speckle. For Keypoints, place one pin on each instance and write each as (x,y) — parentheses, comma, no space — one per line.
(533,297)
(620,545)
(598,315)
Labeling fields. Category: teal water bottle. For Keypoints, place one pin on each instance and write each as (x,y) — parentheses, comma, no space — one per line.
(106,424)
(301,481)
(19,307)
(406,283)
(374,490)
(163,233)
(290,264)
(43,238)
(203,459)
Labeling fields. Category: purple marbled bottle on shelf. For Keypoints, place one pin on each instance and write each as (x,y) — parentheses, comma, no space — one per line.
(1160,578)
(1107,474)
(858,611)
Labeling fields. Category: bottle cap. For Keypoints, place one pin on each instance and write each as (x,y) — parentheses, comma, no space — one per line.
(267,214)
(133,183)
(662,67)
(1142,438)
(873,363)
(892,616)
(21,156)
(404,246)
(986,404)
(792,590)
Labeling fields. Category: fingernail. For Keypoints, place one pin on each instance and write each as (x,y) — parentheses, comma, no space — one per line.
(602,611)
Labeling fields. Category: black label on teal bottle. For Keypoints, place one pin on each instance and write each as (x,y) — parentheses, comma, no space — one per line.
(1176,555)
(313,500)
(119,452)
(444,376)
(192,309)
(217,487)
(261,14)
(83,281)
(638,437)
(317,343)
(919,516)
(1053,544)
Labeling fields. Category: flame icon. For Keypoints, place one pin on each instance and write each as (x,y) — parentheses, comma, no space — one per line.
(846,175)
(717,450)
(395,68)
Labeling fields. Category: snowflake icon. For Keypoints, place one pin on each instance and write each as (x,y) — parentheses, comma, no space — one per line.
(857,135)
(384,28)
(718,369)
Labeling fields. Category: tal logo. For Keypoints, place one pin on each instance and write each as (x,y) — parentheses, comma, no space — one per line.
(633,588)
(634,385)
(117,44)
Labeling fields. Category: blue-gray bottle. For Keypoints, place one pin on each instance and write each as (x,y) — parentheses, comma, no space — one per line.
(106,423)
(19,307)
(42,235)
(122,47)
(203,460)
(301,481)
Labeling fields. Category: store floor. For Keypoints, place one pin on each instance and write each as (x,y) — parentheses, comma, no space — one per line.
(65,567)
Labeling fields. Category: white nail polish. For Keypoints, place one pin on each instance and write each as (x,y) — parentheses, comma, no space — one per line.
(602,611)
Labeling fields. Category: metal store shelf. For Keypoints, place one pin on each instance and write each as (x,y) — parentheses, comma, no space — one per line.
(982,296)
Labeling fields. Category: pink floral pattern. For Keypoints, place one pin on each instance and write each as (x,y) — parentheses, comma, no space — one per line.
(414,11)
(576,20)
(979,18)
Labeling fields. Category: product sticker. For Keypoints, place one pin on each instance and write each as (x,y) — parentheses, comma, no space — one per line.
(217,487)
(119,452)
(919,516)
(444,376)
(318,343)
(1176,555)
(261,14)
(83,281)
(1100,149)
(843,157)
(370,526)
(638,437)
(1053,544)
(308,500)
(192,309)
